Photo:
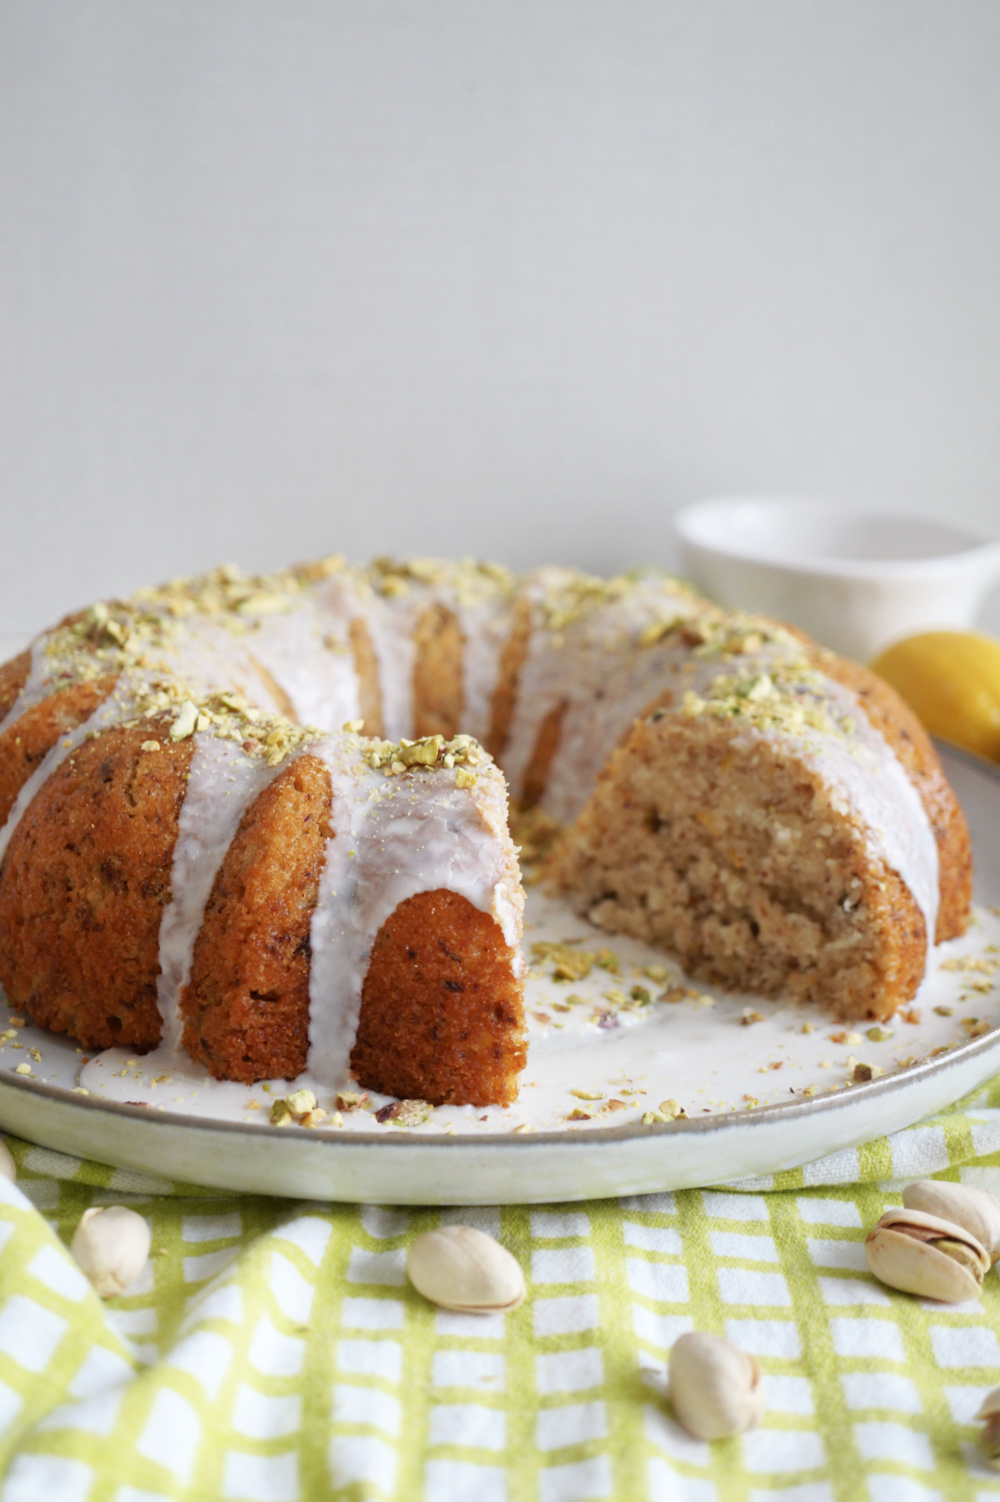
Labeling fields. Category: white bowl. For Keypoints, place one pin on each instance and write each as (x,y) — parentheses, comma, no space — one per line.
(856,580)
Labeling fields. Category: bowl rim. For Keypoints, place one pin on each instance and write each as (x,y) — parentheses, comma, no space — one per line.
(980,555)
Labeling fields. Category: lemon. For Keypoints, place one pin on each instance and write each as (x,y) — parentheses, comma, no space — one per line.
(951,680)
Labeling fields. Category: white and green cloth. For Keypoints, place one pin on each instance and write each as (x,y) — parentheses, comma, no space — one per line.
(273,1351)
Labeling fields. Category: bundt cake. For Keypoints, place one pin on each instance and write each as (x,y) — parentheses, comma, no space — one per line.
(200,850)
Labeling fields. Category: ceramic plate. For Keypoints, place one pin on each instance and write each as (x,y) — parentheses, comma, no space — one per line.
(616,1031)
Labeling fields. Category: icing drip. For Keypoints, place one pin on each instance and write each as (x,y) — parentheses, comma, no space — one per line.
(35,685)
(393,837)
(115,708)
(307,654)
(391,624)
(222,783)
(592,664)
(484,625)
(864,768)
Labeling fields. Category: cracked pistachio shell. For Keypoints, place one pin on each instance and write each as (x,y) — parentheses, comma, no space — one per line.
(973,1209)
(715,1389)
(458,1267)
(111,1246)
(926,1255)
(990,1405)
(989,1439)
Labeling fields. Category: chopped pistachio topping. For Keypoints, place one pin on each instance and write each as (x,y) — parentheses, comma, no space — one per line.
(227,715)
(469,580)
(788,697)
(431,752)
(405,1113)
(567,963)
(350,1100)
(298,1107)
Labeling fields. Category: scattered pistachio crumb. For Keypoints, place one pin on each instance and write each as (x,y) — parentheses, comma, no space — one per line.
(405,1113)
(863,1072)
(350,1100)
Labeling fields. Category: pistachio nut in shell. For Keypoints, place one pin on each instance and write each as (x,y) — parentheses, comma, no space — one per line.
(111,1246)
(964,1205)
(715,1389)
(926,1255)
(458,1267)
(989,1439)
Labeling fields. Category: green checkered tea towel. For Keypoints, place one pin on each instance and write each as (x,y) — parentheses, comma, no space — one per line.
(273,1351)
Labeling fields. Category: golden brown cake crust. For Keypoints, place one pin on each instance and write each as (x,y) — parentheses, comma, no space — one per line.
(13,677)
(247,1005)
(441,1009)
(85,880)
(24,745)
(366,667)
(515,650)
(543,753)
(437,673)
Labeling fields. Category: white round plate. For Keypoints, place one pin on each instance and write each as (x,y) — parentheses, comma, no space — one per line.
(764,1085)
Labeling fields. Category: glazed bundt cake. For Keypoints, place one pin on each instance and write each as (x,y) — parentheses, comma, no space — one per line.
(201,850)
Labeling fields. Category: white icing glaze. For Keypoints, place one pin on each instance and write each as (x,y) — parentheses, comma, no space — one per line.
(485,625)
(35,685)
(307,652)
(593,666)
(865,769)
(222,783)
(393,837)
(391,624)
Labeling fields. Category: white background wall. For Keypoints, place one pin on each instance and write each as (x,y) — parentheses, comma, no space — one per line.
(514,277)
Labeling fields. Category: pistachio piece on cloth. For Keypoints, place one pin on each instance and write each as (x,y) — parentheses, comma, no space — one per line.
(460,1268)
(111,1247)
(989,1439)
(715,1388)
(926,1255)
(973,1209)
